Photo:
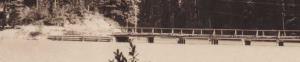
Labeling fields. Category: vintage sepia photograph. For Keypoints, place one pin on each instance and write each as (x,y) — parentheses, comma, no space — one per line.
(149,30)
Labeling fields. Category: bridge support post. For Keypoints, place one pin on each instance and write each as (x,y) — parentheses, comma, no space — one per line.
(280,43)
(214,41)
(150,39)
(246,42)
(122,39)
(181,40)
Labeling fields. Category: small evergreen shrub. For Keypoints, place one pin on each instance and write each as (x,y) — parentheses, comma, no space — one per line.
(119,57)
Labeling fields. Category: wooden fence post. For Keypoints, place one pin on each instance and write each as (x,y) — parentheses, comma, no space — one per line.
(172,30)
(201,32)
(235,32)
(279,34)
(181,32)
(257,33)
(193,31)
(152,30)
(221,32)
(263,33)
(214,32)
(242,33)
(161,31)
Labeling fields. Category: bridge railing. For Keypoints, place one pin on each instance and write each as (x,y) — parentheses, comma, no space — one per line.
(196,31)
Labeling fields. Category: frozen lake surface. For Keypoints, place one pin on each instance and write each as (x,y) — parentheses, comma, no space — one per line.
(165,51)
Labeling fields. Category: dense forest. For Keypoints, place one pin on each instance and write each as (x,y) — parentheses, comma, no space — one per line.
(58,12)
(228,14)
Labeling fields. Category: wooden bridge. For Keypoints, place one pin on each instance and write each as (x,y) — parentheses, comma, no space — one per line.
(213,35)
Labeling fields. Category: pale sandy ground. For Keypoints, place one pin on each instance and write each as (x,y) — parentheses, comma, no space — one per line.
(162,51)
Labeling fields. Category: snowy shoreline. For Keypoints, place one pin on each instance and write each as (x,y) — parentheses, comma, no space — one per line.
(68,51)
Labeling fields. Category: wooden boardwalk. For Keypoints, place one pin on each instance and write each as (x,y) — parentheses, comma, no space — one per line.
(215,34)
(211,33)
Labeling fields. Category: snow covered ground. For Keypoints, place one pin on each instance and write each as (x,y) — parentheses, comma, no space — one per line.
(68,51)
(17,46)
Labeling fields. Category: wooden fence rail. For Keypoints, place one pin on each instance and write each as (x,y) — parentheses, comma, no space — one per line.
(194,31)
(80,38)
